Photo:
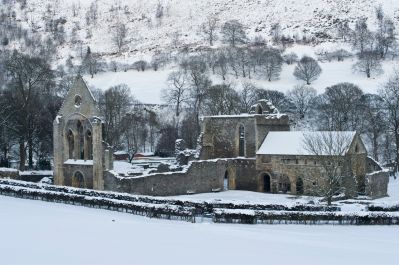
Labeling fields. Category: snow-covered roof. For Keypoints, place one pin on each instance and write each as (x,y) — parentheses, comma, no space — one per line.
(121,153)
(79,162)
(293,142)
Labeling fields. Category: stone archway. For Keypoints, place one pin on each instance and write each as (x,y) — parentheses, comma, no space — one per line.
(226,180)
(78,180)
(299,186)
(284,184)
(267,183)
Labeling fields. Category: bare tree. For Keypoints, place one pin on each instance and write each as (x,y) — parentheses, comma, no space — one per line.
(221,63)
(114,104)
(343,30)
(91,63)
(340,108)
(248,96)
(390,94)
(119,35)
(375,121)
(362,35)
(307,69)
(199,82)
(302,96)
(176,91)
(275,32)
(369,63)
(290,58)
(131,127)
(272,64)
(27,94)
(222,100)
(208,29)
(385,36)
(176,94)
(233,33)
(329,150)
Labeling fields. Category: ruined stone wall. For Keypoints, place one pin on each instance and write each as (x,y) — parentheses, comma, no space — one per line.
(8,173)
(221,136)
(376,184)
(86,170)
(243,175)
(199,177)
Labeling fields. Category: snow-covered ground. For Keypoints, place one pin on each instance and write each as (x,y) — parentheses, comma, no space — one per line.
(237,196)
(35,232)
(147,86)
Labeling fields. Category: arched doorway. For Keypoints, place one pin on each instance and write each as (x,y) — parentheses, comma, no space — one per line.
(299,186)
(266,183)
(78,180)
(284,184)
(226,181)
(241,139)
(259,109)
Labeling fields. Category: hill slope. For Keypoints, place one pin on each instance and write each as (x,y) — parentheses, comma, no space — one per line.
(181,20)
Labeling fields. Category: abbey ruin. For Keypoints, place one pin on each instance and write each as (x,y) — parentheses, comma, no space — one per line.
(255,151)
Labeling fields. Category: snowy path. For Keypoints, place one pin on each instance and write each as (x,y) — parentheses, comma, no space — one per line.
(35,232)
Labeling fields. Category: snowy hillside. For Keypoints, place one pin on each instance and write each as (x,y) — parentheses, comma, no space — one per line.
(182,19)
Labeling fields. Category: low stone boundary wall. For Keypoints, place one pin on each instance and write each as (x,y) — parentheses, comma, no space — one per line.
(144,209)
(245,213)
(9,173)
(315,218)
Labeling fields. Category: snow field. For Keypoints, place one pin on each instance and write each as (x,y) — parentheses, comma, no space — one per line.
(46,233)
(147,86)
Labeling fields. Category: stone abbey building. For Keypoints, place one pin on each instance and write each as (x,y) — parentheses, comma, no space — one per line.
(81,157)
(254,151)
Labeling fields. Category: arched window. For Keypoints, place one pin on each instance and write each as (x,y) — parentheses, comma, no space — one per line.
(241,139)
(89,145)
(81,140)
(78,180)
(71,145)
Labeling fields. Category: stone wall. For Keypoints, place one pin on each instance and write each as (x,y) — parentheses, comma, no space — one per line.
(198,177)
(8,173)
(221,136)
(242,174)
(376,184)
(289,169)
(221,133)
(69,171)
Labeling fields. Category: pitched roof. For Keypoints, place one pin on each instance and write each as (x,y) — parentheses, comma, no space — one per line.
(293,142)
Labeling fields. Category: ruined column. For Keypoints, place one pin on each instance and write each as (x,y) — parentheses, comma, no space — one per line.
(58,152)
(98,168)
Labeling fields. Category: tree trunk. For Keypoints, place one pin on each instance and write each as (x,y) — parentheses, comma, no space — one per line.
(22,155)
(375,146)
(30,153)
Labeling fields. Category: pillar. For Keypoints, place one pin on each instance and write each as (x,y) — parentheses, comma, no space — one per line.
(58,152)
(98,167)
